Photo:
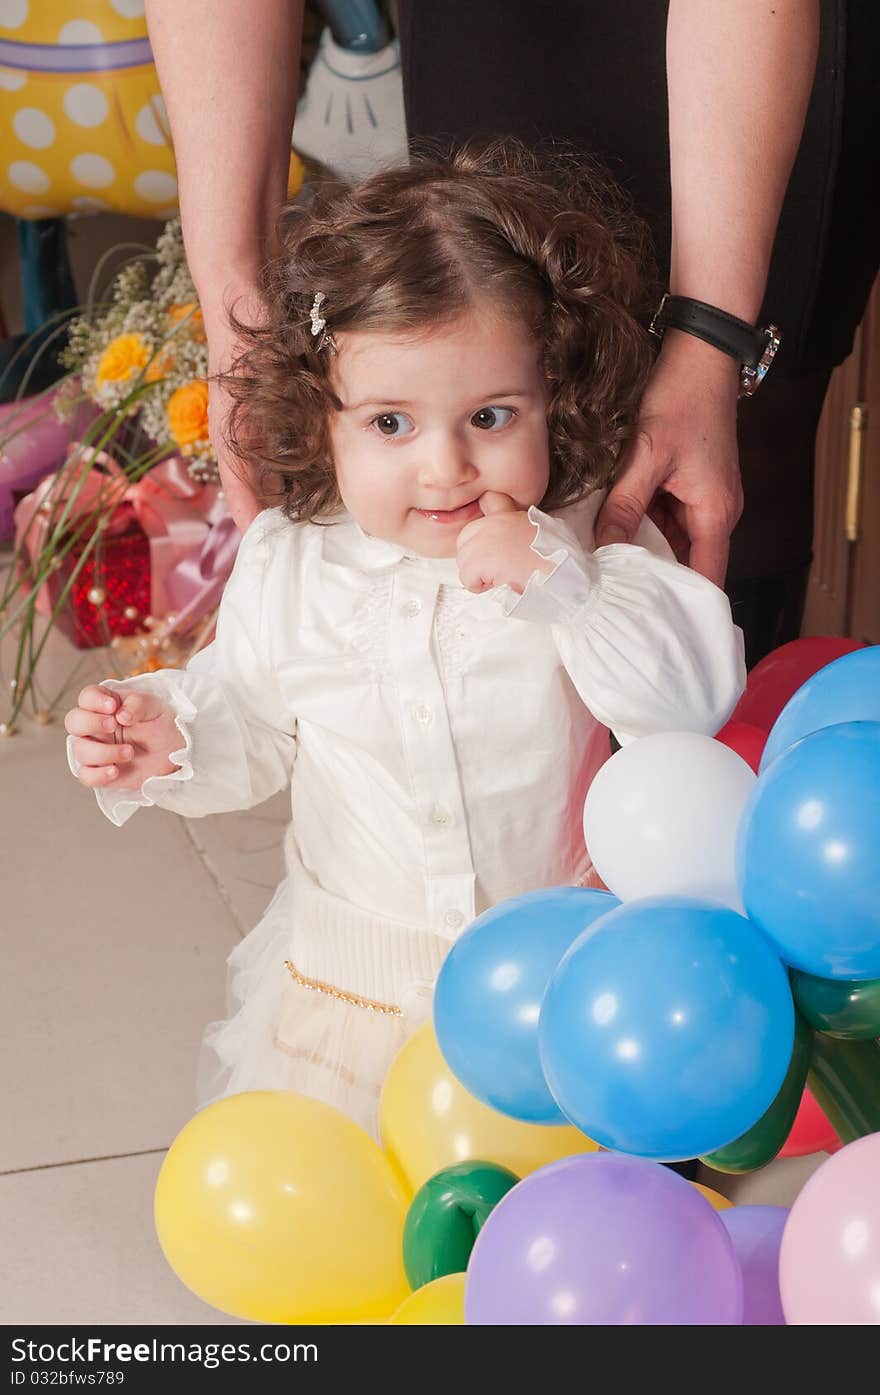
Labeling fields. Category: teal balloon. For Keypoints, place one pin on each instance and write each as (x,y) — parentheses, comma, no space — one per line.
(847,690)
(667,1028)
(808,852)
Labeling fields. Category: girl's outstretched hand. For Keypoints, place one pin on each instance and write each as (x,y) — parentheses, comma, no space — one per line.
(122,739)
(495,550)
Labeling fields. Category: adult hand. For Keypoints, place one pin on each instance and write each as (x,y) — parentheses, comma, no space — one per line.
(683,466)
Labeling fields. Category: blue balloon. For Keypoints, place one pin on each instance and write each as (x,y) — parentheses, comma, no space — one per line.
(489,993)
(667,1028)
(808,852)
(847,690)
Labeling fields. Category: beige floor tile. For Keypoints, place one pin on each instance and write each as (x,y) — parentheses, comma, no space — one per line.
(115,943)
(81,1248)
(777,1184)
(243,852)
(62,670)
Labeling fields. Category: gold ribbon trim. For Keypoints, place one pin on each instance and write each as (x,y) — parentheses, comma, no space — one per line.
(316,986)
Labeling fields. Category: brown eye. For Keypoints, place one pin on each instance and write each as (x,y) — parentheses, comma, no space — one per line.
(392,424)
(492,418)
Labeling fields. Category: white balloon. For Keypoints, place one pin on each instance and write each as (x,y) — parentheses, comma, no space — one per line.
(661,818)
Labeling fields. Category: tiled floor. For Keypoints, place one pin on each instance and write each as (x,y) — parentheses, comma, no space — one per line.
(114,947)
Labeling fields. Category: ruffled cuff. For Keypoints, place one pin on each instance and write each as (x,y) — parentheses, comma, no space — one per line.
(120,804)
(551,598)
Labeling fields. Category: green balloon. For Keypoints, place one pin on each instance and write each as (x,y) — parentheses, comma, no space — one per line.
(446,1216)
(845,1080)
(838,1007)
(761,1143)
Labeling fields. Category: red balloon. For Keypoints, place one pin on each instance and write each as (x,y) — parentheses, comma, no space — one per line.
(593,880)
(779,675)
(746,740)
(810,1132)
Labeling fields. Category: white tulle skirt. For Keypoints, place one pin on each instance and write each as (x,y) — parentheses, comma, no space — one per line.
(322,996)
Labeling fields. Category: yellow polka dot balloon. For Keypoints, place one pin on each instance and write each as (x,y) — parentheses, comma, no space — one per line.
(82,121)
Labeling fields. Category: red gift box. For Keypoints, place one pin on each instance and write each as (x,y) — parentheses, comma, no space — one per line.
(151,530)
(111,593)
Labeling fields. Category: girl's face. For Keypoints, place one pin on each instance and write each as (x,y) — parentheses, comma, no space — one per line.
(430,424)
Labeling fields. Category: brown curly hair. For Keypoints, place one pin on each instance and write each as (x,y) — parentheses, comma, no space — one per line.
(543,235)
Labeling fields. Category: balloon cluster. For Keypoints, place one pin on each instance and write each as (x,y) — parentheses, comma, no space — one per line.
(678,1014)
(276,1208)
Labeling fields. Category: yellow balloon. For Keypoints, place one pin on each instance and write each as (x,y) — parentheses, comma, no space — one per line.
(82,117)
(715,1199)
(437,1304)
(275,1207)
(428,1120)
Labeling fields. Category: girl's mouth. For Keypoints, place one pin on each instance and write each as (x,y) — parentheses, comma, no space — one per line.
(464,514)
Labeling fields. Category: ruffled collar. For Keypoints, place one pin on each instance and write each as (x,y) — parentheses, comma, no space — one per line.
(344,543)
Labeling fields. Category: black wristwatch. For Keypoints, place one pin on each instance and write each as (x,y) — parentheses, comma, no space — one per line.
(754,349)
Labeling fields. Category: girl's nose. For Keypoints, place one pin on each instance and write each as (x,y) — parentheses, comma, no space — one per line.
(447,463)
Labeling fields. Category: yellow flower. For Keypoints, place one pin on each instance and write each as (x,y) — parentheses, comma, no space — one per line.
(193,316)
(123,357)
(187,413)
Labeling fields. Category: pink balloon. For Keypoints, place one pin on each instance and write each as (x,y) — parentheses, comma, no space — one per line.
(829,1263)
(779,675)
(746,740)
(811,1131)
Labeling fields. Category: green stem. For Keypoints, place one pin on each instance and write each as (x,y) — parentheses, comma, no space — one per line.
(22,688)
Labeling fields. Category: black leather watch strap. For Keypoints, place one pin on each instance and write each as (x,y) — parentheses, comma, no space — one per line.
(736,337)
(753,348)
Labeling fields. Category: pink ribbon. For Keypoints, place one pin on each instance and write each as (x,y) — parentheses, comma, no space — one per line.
(178,515)
(33,442)
(196,584)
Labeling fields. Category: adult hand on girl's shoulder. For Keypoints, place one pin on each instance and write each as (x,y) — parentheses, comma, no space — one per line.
(121,738)
(686,447)
(496,550)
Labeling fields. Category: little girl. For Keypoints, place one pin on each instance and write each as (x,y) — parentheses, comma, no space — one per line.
(422,638)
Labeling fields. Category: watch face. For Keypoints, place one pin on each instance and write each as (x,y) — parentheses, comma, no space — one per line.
(752,378)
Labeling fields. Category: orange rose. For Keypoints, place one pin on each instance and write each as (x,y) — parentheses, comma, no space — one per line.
(193,316)
(123,357)
(187,413)
(160,366)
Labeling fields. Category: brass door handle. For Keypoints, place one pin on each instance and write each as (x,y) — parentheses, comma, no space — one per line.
(858,425)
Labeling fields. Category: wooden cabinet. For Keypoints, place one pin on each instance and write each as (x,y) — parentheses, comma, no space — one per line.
(844,591)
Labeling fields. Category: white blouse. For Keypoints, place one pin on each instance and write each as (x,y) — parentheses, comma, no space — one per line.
(439,744)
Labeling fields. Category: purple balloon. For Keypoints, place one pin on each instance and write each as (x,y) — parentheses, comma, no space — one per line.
(756,1232)
(603,1239)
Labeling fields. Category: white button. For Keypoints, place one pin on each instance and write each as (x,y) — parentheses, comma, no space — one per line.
(423,713)
(411,609)
(453,920)
(441,817)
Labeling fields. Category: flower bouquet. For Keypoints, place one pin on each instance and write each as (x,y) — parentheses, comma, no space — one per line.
(124,540)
